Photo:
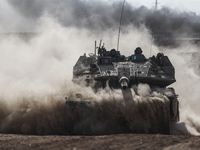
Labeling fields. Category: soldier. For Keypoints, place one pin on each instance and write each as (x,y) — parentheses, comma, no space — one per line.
(159,55)
(138,56)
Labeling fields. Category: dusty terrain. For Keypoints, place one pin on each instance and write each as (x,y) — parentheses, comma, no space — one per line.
(119,141)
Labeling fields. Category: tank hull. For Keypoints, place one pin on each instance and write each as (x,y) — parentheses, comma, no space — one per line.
(152,116)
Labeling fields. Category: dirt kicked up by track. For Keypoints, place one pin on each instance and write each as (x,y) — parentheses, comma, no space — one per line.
(116,141)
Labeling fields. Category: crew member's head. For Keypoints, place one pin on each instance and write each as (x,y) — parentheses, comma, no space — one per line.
(159,55)
(138,50)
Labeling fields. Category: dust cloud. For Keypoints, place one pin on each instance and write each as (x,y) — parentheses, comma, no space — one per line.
(36,72)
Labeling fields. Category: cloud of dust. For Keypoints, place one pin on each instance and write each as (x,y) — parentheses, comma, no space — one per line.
(187,87)
(35,74)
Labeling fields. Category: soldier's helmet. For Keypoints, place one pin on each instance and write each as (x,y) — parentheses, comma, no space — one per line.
(113,53)
(159,55)
(138,50)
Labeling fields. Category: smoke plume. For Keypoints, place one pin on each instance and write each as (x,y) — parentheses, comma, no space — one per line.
(100,16)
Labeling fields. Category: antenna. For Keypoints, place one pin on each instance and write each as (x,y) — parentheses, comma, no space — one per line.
(95,48)
(156,4)
(120,25)
(99,48)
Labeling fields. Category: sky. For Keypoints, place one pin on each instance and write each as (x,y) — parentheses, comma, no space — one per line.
(180,5)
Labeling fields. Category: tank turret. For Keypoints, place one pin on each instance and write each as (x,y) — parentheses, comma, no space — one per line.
(111,66)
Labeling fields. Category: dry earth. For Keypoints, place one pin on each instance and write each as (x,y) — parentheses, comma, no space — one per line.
(118,141)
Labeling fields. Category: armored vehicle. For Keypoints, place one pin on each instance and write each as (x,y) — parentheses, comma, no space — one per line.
(110,68)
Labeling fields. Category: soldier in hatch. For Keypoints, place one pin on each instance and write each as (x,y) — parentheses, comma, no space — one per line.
(159,55)
(138,56)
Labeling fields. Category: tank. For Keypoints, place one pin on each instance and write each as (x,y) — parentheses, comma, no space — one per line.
(110,68)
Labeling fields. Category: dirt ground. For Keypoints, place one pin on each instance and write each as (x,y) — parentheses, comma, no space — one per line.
(117,141)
